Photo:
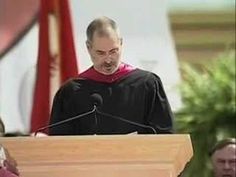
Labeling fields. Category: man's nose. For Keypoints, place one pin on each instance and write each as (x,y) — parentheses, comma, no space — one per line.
(108,58)
(227,165)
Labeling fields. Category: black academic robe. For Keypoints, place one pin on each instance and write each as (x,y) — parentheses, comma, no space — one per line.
(138,96)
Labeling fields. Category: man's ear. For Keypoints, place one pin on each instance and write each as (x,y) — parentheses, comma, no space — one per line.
(88,45)
(121,41)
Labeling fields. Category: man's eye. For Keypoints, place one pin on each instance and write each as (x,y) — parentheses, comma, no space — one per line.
(114,51)
(100,53)
(233,161)
(221,161)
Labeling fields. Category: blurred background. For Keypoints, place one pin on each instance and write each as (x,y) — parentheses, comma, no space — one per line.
(202,29)
(190,44)
(204,35)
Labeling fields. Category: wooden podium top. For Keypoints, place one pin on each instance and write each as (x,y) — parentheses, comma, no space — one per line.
(100,155)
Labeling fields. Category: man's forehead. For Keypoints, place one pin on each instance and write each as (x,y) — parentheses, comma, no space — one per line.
(106,32)
(112,37)
(229,150)
(105,43)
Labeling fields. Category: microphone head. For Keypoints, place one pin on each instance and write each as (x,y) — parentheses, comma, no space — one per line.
(96,99)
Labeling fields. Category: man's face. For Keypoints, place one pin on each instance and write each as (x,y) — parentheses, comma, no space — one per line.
(224,161)
(105,52)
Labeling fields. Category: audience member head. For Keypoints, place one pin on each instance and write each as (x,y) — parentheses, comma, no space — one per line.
(223,156)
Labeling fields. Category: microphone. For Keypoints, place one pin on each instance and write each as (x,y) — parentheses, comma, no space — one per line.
(98,101)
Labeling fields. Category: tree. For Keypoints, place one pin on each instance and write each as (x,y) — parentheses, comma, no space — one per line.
(208,112)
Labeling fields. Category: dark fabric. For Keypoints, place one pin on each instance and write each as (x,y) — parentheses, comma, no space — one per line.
(138,96)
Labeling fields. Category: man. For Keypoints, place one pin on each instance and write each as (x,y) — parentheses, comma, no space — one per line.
(124,91)
(223,157)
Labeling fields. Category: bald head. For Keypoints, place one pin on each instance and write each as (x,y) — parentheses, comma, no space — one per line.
(102,27)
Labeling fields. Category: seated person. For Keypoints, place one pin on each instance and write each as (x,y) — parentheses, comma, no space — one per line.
(8,165)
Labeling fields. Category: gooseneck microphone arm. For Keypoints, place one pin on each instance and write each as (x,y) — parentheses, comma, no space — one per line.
(127,121)
(67,120)
(98,101)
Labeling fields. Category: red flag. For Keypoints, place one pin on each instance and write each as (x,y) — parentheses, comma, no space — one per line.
(56,54)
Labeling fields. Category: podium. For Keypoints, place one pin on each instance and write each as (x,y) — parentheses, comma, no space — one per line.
(100,155)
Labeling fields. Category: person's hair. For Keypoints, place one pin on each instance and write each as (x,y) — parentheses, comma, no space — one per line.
(221,144)
(2,127)
(101,26)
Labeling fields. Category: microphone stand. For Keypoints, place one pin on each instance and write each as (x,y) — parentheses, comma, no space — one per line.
(96,119)
(125,120)
(94,110)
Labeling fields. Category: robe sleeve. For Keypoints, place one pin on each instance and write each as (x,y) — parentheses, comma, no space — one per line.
(59,113)
(159,114)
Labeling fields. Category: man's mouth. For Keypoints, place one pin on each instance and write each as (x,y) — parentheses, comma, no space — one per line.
(108,65)
(227,175)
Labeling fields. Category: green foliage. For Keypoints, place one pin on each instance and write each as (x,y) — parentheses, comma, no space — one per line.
(208,112)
